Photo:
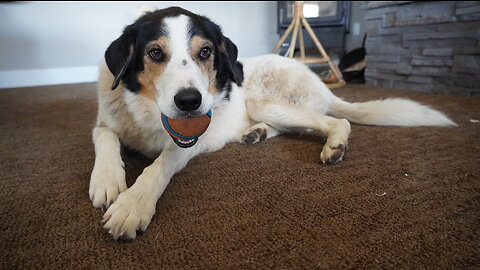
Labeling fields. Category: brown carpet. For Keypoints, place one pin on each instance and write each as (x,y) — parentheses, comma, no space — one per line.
(404,198)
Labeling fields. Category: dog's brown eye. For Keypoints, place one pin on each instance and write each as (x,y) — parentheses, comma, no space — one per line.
(155,54)
(205,53)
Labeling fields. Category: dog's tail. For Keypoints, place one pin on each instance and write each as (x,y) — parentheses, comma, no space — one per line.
(389,112)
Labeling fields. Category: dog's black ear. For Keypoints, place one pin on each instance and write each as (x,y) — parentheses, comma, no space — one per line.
(119,55)
(230,51)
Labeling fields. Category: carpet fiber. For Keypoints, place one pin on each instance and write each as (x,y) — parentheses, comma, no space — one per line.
(402,198)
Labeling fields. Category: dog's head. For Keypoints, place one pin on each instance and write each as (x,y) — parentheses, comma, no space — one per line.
(177,59)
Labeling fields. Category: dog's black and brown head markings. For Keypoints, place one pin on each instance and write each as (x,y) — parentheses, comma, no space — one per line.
(177,59)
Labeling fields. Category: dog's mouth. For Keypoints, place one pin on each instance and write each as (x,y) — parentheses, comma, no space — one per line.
(185,143)
(185,131)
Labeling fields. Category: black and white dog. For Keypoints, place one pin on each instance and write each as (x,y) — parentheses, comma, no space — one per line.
(179,64)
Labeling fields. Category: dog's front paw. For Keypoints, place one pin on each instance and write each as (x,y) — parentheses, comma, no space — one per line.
(132,211)
(106,183)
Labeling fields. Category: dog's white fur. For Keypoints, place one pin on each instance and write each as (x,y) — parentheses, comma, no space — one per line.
(277,95)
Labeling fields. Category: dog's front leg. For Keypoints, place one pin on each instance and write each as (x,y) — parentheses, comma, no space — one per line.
(134,208)
(108,176)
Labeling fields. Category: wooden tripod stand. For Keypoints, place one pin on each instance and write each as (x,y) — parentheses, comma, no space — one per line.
(298,22)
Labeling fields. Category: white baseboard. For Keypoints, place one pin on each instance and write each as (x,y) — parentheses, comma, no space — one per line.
(38,77)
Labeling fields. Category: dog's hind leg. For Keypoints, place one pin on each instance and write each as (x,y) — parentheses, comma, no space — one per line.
(283,117)
(258,133)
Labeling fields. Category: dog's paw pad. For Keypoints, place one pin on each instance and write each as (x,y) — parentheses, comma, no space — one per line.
(333,155)
(257,135)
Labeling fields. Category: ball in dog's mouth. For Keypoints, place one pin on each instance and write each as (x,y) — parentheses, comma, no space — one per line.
(185,131)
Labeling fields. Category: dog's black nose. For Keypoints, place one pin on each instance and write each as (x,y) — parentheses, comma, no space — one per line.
(188,99)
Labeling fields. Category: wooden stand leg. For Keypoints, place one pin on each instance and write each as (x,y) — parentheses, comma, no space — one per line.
(298,22)
(284,37)
(334,69)
(302,41)
(294,38)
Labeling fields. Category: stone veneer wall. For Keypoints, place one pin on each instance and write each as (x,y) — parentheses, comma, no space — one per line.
(425,46)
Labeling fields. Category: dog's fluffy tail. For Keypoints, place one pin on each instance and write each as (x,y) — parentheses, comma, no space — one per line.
(389,112)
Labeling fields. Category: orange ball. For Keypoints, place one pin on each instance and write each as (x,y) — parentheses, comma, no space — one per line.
(185,131)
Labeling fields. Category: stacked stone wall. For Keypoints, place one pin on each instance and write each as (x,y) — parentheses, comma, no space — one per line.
(429,46)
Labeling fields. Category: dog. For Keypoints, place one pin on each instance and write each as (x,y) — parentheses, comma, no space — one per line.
(173,62)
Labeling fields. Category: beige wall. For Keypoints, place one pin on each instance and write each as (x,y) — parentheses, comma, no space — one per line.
(58,42)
